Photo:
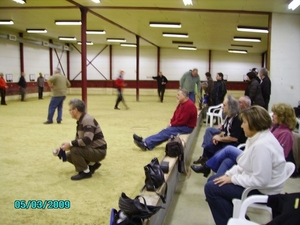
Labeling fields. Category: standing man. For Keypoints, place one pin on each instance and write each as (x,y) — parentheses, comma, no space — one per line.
(3,87)
(89,145)
(161,85)
(58,84)
(209,89)
(119,83)
(22,85)
(183,122)
(219,90)
(255,70)
(188,82)
(265,86)
(40,84)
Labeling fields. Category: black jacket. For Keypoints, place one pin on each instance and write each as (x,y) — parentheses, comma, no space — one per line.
(253,91)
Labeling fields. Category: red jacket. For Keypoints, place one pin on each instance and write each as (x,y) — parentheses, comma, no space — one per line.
(2,83)
(119,83)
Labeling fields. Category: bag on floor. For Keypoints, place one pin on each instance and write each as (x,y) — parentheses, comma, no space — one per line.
(155,178)
(135,210)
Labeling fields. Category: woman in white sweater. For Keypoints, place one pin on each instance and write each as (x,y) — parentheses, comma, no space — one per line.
(262,164)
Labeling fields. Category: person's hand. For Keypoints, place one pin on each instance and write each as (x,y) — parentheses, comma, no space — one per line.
(216,139)
(225,179)
(57,151)
(65,146)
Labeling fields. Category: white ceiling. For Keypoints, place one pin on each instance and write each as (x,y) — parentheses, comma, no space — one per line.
(211,24)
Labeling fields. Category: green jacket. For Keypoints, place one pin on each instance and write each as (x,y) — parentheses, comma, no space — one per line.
(188,82)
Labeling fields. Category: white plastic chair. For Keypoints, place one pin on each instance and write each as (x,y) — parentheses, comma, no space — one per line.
(214,111)
(237,203)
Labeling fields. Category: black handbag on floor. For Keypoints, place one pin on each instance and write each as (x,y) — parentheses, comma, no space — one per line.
(155,178)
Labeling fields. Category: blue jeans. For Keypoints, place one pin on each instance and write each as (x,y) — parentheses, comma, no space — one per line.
(209,133)
(165,134)
(55,102)
(219,199)
(192,96)
(224,159)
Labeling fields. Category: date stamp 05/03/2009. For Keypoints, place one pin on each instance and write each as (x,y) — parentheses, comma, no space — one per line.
(42,204)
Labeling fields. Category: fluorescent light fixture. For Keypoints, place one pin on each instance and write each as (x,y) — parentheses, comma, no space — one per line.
(67,22)
(162,24)
(115,40)
(128,45)
(87,43)
(36,30)
(20,1)
(6,22)
(244,46)
(187,2)
(294,4)
(95,32)
(179,35)
(96,1)
(67,38)
(248,39)
(182,42)
(237,51)
(187,48)
(253,29)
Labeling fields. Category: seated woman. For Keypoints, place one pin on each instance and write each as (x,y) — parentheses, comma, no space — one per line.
(284,122)
(261,164)
(230,133)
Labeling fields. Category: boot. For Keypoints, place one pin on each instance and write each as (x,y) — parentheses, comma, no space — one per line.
(201,169)
(201,160)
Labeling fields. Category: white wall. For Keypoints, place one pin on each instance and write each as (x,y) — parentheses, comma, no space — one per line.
(285,59)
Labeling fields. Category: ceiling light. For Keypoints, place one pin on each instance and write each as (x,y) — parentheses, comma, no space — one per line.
(294,4)
(182,42)
(36,30)
(115,39)
(96,1)
(95,32)
(20,1)
(87,43)
(128,45)
(237,51)
(245,46)
(253,29)
(247,39)
(187,2)
(181,35)
(6,22)
(67,22)
(187,48)
(67,38)
(168,25)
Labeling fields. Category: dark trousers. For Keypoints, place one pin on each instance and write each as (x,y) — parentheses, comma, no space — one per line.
(161,92)
(3,94)
(22,93)
(41,89)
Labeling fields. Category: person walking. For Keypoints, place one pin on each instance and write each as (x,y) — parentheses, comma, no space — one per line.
(58,84)
(188,82)
(161,85)
(40,83)
(119,83)
(22,85)
(3,87)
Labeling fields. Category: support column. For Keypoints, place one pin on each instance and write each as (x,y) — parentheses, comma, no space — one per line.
(137,66)
(83,54)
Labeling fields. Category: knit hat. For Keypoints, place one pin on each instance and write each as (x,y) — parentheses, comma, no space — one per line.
(251,75)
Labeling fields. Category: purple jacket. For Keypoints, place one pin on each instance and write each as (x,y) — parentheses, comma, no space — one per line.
(284,136)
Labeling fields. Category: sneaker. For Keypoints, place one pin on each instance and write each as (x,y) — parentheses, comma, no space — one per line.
(94,167)
(137,138)
(140,144)
(81,175)
(47,122)
(117,108)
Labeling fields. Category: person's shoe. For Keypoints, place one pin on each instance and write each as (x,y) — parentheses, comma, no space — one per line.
(117,108)
(47,122)
(137,138)
(94,167)
(201,169)
(201,160)
(140,144)
(59,122)
(81,175)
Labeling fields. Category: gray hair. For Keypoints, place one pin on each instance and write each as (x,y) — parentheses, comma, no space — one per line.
(233,106)
(247,100)
(264,72)
(77,104)
(184,92)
